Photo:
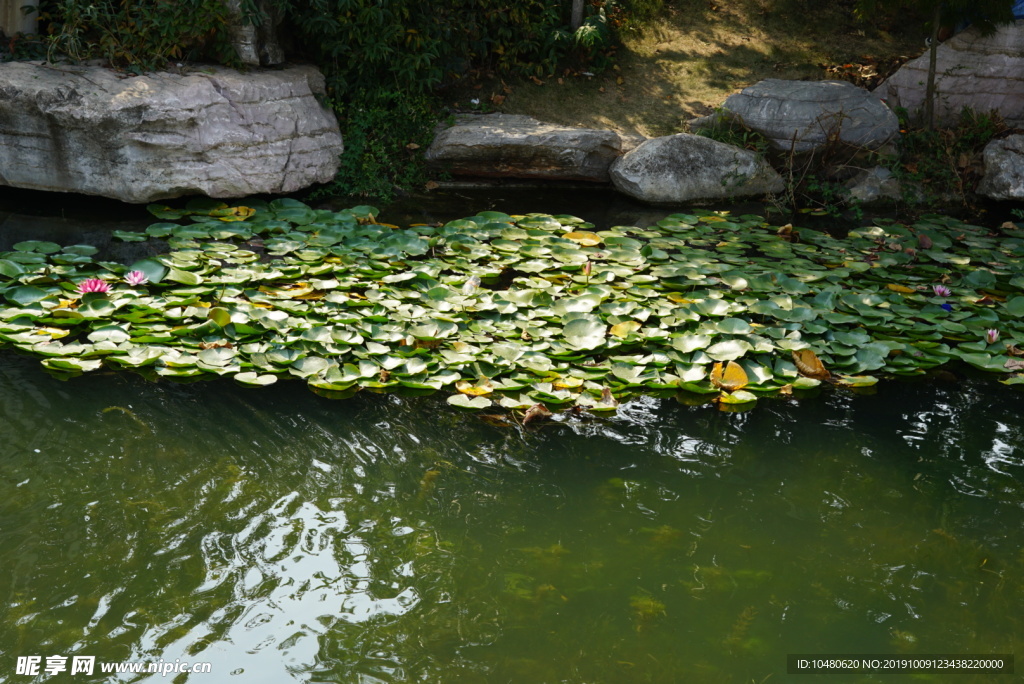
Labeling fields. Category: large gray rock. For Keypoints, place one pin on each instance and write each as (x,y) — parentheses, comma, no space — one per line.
(514,146)
(983,73)
(683,167)
(215,132)
(1004,169)
(806,115)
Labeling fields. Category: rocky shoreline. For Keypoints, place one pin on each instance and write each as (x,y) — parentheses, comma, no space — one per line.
(226,134)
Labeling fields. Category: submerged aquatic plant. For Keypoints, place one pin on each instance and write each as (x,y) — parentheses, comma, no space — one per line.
(93,285)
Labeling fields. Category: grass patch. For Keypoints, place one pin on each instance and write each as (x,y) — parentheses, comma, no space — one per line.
(696,53)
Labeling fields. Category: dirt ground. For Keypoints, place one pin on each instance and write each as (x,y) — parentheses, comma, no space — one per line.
(687,61)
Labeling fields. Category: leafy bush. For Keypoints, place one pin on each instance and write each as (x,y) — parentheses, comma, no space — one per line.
(383,133)
(945,162)
(141,35)
(413,45)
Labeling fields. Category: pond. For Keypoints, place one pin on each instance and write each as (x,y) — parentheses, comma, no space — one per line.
(282,537)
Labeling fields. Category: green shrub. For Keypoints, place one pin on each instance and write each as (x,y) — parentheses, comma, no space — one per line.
(945,163)
(414,45)
(142,35)
(385,133)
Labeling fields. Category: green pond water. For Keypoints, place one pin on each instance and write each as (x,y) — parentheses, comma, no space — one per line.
(283,537)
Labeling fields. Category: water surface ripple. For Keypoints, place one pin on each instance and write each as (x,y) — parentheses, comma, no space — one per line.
(283,537)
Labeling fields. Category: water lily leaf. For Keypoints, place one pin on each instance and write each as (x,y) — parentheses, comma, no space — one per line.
(583,238)
(310,365)
(96,308)
(729,376)
(902,289)
(255,379)
(737,397)
(25,294)
(165,212)
(870,357)
(624,329)
(109,333)
(183,277)
(220,316)
(730,350)
(10,268)
(129,235)
(73,364)
(1015,306)
(472,390)
(42,247)
(216,357)
(712,307)
(857,380)
(733,326)
(980,279)
(584,333)
(809,365)
(689,343)
(464,401)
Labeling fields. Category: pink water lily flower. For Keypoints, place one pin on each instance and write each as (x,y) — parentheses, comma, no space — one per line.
(136,278)
(941,290)
(991,336)
(93,285)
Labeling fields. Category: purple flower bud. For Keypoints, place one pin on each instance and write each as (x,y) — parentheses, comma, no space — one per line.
(93,285)
(941,290)
(991,336)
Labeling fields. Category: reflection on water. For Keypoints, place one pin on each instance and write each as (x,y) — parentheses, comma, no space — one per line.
(283,537)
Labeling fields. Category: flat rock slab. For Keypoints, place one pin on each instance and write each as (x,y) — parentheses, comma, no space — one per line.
(683,167)
(214,132)
(806,115)
(1004,169)
(984,73)
(515,146)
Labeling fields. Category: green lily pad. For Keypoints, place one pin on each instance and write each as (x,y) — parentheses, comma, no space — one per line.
(467,402)
(729,350)
(584,333)
(254,379)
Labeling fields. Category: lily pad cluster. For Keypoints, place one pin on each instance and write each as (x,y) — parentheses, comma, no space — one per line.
(524,309)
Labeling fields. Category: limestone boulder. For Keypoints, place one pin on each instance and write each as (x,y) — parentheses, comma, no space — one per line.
(806,115)
(984,73)
(683,167)
(1004,169)
(215,132)
(515,146)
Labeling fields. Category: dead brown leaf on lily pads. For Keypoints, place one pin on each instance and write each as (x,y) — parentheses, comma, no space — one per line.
(809,365)
(729,376)
(536,412)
